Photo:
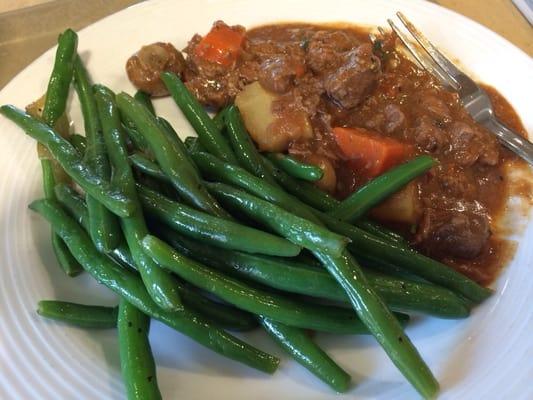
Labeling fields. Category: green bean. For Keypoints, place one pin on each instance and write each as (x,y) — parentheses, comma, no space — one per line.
(93,127)
(175,164)
(54,107)
(218,119)
(378,189)
(136,359)
(381,322)
(408,259)
(222,315)
(297,277)
(214,169)
(49,180)
(85,316)
(244,149)
(66,261)
(70,160)
(128,285)
(79,142)
(307,192)
(298,230)
(216,231)
(380,231)
(301,347)
(59,83)
(76,207)
(150,168)
(376,264)
(192,144)
(208,134)
(160,285)
(257,301)
(296,168)
(103,224)
(173,136)
(145,99)
(138,140)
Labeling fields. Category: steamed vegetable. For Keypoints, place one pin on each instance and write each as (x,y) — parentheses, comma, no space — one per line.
(369,153)
(128,285)
(270,131)
(221,45)
(85,316)
(375,191)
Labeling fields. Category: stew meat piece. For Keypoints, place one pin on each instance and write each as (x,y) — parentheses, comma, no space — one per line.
(331,76)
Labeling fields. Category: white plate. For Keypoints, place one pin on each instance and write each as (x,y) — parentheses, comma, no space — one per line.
(488,356)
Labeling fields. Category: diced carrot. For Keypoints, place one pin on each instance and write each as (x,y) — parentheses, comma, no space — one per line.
(369,153)
(221,45)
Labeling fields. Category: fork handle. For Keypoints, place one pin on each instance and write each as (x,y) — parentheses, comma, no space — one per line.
(510,139)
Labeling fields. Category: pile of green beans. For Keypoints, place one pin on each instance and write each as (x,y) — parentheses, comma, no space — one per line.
(216,231)
(173,161)
(160,285)
(295,168)
(129,286)
(209,235)
(297,277)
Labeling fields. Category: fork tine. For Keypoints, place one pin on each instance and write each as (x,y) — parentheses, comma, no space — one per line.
(440,59)
(425,63)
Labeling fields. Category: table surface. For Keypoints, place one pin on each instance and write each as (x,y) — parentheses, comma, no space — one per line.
(30,27)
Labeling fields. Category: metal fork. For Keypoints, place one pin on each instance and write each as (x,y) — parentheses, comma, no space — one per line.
(475,100)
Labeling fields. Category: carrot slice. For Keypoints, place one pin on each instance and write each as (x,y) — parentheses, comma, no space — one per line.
(221,45)
(368,152)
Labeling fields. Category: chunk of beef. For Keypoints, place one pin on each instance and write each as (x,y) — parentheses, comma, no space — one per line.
(435,107)
(145,66)
(277,74)
(445,233)
(471,145)
(390,119)
(428,136)
(394,118)
(454,181)
(355,79)
(325,50)
(212,93)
